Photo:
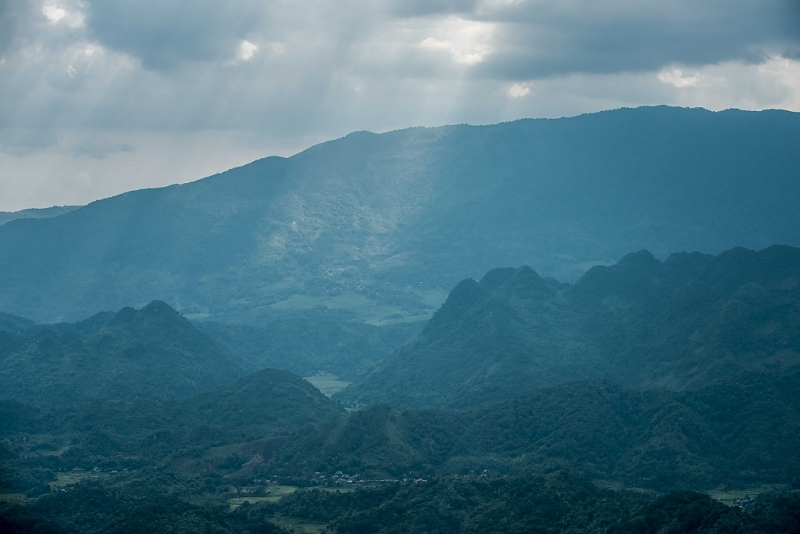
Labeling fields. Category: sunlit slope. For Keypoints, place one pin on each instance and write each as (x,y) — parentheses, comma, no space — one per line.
(680,324)
(377,223)
(152,353)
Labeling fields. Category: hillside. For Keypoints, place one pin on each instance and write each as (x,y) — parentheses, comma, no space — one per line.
(241,419)
(309,344)
(270,400)
(382,225)
(738,432)
(680,324)
(522,464)
(151,353)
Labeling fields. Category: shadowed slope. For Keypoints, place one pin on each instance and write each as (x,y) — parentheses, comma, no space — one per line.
(152,353)
(679,324)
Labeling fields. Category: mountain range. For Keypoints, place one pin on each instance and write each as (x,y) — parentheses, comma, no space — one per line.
(679,324)
(381,226)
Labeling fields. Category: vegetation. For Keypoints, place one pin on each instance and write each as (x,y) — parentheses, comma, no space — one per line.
(310,343)
(270,452)
(738,433)
(680,324)
(152,353)
(387,221)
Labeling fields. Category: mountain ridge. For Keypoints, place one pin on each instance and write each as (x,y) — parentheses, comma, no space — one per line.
(381,224)
(680,324)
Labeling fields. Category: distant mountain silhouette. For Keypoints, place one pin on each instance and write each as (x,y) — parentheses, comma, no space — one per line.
(35,213)
(680,324)
(382,225)
(152,353)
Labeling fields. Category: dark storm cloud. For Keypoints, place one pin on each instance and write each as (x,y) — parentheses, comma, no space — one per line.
(164,33)
(545,38)
(533,38)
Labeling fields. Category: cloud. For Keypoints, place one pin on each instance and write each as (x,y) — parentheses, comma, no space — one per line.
(162,34)
(518,90)
(56,14)
(547,38)
(246,50)
(467,42)
(99,148)
(290,73)
(21,142)
(676,78)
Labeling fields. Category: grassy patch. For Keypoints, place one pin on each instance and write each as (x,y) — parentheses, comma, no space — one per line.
(327,384)
(72,477)
(727,497)
(8,497)
(276,493)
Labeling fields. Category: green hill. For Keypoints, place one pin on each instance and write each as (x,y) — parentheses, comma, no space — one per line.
(242,419)
(738,432)
(270,400)
(382,225)
(309,344)
(680,324)
(152,353)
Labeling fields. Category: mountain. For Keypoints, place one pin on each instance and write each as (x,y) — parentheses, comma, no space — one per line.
(151,353)
(35,213)
(270,399)
(20,326)
(680,324)
(742,431)
(241,419)
(309,344)
(380,225)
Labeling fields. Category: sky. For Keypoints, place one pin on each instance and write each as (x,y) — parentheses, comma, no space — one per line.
(106,96)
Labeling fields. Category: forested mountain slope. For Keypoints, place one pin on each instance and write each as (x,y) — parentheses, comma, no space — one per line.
(152,353)
(256,410)
(740,431)
(382,224)
(310,343)
(678,324)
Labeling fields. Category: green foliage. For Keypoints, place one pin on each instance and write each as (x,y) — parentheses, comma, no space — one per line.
(152,353)
(308,344)
(742,431)
(117,435)
(147,509)
(680,324)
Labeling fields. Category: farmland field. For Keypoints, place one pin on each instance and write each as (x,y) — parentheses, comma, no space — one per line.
(327,384)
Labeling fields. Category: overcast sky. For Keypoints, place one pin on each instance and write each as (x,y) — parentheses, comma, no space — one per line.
(100,97)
